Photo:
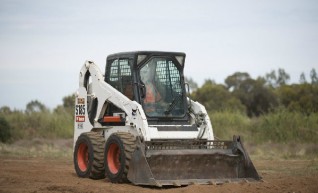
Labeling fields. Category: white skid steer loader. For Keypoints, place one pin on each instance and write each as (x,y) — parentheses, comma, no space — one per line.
(136,124)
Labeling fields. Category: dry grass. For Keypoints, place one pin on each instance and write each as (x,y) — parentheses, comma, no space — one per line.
(38,147)
(280,151)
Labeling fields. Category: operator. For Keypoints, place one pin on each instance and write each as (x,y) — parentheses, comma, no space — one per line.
(153,96)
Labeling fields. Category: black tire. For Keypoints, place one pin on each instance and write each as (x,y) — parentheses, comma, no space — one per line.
(118,152)
(89,156)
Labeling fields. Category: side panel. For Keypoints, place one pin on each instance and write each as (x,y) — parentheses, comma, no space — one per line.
(81,121)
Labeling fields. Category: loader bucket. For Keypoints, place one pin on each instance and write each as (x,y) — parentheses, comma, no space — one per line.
(184,162)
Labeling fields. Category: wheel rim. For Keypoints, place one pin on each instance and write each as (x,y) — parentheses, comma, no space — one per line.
(82,157)
(113,158)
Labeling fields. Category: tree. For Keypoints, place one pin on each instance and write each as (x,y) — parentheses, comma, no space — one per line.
(192,84)
(275,80)
(302,79)
(36,106)
(67,106)
(69,101)
(313,76)
(253,94)
(271,78)
(283,77)
(215,97)
(234,81)
(299,97)
(5,110)
(5,130)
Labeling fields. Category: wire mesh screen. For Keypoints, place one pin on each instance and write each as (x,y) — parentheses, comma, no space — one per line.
(114,71)
(126,79)
(168,75)
(120,77)
(124,68)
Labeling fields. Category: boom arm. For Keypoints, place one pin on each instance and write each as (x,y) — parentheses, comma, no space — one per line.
(105,93)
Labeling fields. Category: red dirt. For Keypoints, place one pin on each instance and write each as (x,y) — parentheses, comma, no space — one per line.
(51,175)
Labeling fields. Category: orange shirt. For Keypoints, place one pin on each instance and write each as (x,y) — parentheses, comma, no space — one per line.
(152,94)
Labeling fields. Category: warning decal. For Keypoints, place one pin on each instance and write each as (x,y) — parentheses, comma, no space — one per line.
(80,118)
(81,101)
(80,110)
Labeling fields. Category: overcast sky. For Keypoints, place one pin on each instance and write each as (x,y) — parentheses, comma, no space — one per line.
(43,43)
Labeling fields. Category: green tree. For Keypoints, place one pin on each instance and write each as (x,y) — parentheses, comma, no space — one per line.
(253,94)
(283,77)
(234,81)
(302,78)
(67,106)
(192,84)
(313,76)
(36,106)
(299,97)
(271,78)
(215,97)
(69,101)
(5,110)
(5,130)
(275,80)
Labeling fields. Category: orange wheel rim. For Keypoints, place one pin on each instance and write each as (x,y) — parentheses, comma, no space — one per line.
(113,158)
(82,157)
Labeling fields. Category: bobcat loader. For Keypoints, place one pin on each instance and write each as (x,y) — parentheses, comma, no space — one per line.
(136,124)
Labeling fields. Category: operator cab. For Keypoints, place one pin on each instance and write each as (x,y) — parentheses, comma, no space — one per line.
(153,79)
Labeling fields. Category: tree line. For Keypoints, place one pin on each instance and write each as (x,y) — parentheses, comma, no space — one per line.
(259,96)
(264,106)
(37,120)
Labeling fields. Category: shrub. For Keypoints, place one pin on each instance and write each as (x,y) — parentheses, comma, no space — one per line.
(286,126)
(228,123)
(5,130)
(280,126)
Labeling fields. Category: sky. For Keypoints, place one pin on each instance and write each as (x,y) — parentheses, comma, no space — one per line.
(43,43)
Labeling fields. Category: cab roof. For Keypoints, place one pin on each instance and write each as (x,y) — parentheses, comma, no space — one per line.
(134,54)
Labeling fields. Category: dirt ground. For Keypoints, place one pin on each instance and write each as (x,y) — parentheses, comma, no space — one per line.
(52,175)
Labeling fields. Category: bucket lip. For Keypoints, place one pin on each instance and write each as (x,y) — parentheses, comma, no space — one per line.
(161,183)
(178,144)
(221,152)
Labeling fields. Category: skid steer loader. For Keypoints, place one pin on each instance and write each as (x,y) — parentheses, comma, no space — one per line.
(135,123)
